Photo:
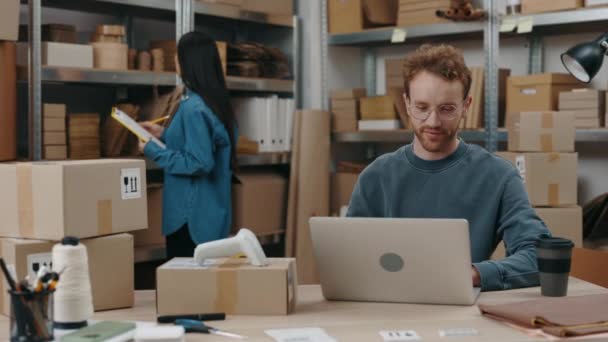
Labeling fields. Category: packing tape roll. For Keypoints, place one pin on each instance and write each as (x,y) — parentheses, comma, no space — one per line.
(104,217)
(546,142)
(553,195)
(546,120)
(25,200)
(226,287)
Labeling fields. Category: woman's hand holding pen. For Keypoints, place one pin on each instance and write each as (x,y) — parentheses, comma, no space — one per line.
(154,129)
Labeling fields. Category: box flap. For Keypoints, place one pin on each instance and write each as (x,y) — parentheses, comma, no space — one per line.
(538,79)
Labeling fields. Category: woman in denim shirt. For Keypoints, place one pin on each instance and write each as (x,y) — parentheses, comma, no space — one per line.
(200,153)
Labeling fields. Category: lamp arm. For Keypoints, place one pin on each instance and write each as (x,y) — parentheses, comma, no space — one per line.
(602,40)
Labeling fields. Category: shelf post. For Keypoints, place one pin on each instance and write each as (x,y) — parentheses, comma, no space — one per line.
(34,81)
(371,57)
(491,40)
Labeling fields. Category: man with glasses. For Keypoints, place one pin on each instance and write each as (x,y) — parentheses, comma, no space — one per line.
(440,176)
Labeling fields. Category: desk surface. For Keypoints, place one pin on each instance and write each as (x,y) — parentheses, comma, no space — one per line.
(353,321)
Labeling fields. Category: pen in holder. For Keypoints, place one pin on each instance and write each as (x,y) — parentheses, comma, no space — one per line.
(31,315)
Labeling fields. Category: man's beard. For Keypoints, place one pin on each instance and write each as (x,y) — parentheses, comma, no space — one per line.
(436,144)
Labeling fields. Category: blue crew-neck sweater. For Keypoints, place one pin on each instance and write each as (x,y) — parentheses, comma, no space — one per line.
(472,184)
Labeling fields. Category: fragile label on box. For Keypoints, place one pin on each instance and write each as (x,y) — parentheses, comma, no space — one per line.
(130,183)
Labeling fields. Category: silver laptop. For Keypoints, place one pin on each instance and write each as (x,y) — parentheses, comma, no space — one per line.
(426,261)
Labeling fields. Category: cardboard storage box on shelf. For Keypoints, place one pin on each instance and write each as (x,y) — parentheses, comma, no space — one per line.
(566,222)
(344,115)
(412,13)
(550,178)
(55,152)
(540,6)
(110,56)
(53,124)
(231,286)
(53,110)
(54,138)
(346,94)
(59,55)
(51,200)
(590,265)
(280,7)
(587,105)
(541,132)
(110,267)
(59,33)
(9,20)
(154,234)
(377,108)
(354,15)
(537,92)
(265,216)
(342,186)
(83,136)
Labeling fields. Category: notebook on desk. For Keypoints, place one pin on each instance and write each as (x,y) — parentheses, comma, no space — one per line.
(425,261)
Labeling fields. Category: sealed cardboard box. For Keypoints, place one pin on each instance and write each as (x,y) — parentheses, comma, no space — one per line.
(348,94)
(537,92)
(354,15)
(55,152)
(231,286)
(342,186)
(60,55)
(541,132)
(9,20)
(550,178)
(51,200)
(154,234)
(340,124)
(590,265)
(378,108)
(249,211)
(110,267)
(54,138)
(540,6)
(566,222)
(53,124)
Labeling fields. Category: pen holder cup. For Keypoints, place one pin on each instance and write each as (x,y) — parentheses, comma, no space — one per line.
(31,316)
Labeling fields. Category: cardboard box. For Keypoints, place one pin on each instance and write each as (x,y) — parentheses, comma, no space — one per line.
(540,6)
(154,234)
(585,98)
(260,216)
(9,20)
(541,132)
(53,110)
(354,15)
(590,265)
(426,16)
(348,94)
(53,125)
(110,267)
(345,106)
(54,138)
(231,286)
(339,124)
(55,152)
(110,56)
(280,7)
(342,186)
(550,178)
(378,108)
(393,73)
(59,54)
(537,92)
(51,200)
(564,222)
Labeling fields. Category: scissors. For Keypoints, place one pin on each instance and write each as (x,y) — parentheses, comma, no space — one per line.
(192,326)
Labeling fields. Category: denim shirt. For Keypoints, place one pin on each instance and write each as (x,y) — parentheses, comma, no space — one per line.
(196,164)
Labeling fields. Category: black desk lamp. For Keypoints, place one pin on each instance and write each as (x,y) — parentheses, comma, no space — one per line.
(584,60)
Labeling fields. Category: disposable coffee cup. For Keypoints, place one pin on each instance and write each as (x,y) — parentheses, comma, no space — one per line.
(554,259)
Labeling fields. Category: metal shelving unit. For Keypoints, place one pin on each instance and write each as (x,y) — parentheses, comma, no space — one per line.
(182,11)
(582,20)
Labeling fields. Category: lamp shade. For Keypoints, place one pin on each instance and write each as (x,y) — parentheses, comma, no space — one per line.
(584,60)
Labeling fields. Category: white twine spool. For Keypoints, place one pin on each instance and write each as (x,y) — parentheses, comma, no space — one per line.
(73,298)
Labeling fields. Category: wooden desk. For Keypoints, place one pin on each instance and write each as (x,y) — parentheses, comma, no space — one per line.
(352,321)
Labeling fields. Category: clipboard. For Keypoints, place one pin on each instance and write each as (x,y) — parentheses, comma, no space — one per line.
(134,127)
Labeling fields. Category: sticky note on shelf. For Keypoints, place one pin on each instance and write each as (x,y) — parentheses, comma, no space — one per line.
(526,24)
(508,25)
(399,35)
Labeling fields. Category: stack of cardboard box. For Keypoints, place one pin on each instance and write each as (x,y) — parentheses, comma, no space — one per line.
(541,146)
(587,105)
(393,71)
(94,200)
(83,136)
(378,113)
(345,109)
(416,12)
(53,132)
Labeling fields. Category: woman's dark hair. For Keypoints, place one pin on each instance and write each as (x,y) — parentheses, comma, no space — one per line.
(202,73)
